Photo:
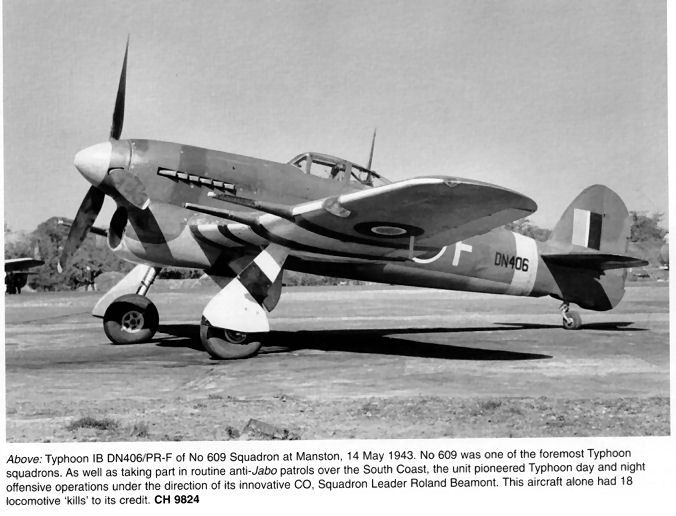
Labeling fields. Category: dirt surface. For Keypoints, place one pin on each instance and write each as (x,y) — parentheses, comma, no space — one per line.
(343,362)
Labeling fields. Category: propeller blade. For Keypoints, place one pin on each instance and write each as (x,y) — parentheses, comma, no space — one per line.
(118,114)
(86,215)
(130,187)
(373,143)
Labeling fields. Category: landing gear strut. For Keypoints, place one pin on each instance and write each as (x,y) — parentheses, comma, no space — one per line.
(571,319)
(133,318)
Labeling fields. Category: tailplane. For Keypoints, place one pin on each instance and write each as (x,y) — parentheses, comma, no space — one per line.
(594,261)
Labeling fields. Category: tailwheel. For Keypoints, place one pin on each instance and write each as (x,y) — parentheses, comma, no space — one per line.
(571,319)
(224,344)
(131,319)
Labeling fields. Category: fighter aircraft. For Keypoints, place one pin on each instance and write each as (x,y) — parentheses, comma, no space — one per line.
(21,264)
(17,271)
(243,220)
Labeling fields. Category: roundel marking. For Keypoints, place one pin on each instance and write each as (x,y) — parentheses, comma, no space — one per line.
(387,229)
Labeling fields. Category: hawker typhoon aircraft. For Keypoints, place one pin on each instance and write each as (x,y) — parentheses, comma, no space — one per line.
(243,220)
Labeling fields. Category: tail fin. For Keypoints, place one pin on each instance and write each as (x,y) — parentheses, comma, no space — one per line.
(596,221)
(588,242)
(593,233)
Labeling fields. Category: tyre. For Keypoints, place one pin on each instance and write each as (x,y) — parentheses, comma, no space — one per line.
(573,322)
(131,319)
(228,344)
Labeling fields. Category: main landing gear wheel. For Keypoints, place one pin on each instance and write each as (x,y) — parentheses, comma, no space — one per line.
(229,344)
(131,319)
(571,320)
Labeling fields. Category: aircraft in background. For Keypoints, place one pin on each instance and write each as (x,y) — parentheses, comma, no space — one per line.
(243,220)
(21,264)
(17,271)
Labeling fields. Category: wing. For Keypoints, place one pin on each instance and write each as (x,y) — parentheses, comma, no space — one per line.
(395,221)
(435,210)
(21,264)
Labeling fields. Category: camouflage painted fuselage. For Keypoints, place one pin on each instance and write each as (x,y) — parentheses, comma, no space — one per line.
(168,234)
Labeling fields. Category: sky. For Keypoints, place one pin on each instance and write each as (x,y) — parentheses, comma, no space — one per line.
(545,97)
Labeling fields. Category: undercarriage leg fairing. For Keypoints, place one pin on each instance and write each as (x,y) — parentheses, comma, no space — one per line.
(235,320)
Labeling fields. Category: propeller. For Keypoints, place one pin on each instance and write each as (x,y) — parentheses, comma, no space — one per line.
(130,187)
(118,113)
(86,215)
(91,163)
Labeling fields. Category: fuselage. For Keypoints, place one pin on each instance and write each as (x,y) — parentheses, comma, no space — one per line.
(168,234)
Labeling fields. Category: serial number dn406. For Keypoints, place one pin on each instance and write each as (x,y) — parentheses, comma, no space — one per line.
(511,262)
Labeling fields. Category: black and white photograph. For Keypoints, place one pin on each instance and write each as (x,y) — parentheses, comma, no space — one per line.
(283,222)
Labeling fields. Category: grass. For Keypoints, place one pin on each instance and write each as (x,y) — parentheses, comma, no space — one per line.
(139,429)
(92,422)
(383,418)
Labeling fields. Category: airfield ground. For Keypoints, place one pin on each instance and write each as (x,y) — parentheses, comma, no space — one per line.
(344,362)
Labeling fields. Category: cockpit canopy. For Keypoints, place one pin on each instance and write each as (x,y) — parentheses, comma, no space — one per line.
(337,169)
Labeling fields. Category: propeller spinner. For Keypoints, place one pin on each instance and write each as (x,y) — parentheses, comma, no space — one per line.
(97,164)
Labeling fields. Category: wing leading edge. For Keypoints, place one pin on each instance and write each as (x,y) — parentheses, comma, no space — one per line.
(21,264)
